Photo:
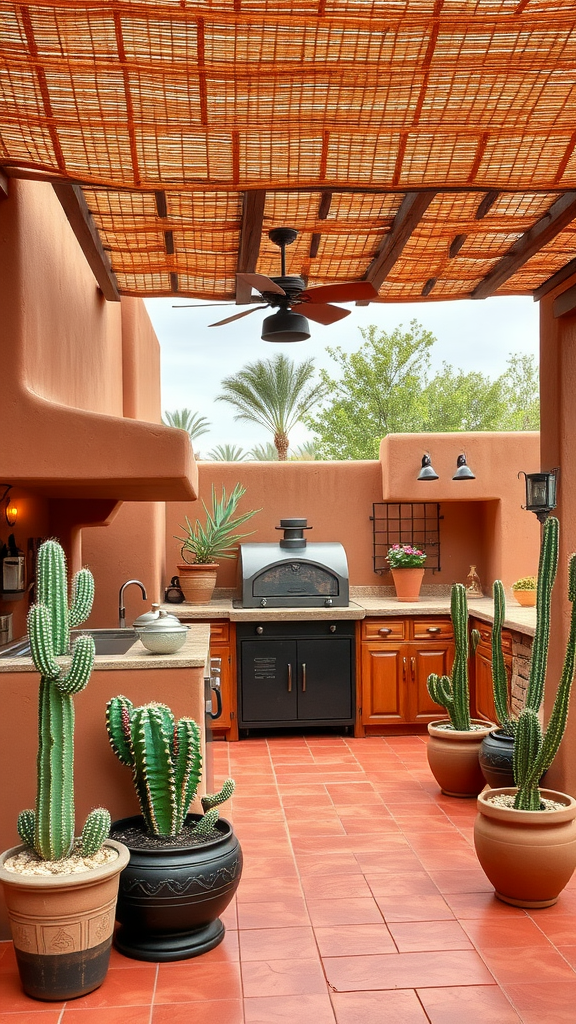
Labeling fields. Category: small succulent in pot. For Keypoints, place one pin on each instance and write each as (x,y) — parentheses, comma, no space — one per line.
(525,583)
(217,538)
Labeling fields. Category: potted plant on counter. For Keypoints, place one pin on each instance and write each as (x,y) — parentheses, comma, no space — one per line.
(202,546)
(453,745)
(525,837)
(60,891)
(406,565)
(524,591)
(184,868)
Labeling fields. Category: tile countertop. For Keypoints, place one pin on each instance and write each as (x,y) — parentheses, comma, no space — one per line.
(365,602)
(193,654)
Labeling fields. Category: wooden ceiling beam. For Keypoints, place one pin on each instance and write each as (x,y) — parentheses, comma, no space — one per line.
(82,223)
(3,184)
(557,279)
(560,214)
(488,201)
(565,303)
(250,238)
(412,209)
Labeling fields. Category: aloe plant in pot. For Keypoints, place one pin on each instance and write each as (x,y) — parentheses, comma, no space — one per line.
(202,546)
(184,868)
(60,891)
(454,743)
(525,837)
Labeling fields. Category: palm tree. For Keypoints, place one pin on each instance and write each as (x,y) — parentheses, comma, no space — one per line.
(227,453)
(307,452)
(194,424)
(274,393)
(264,452)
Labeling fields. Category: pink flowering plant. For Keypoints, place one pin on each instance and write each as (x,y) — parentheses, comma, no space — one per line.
(404,556)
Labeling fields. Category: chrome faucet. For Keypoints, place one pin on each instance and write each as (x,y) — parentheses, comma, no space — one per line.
(121,608)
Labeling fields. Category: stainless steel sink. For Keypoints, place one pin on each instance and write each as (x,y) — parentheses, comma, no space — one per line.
(107,641)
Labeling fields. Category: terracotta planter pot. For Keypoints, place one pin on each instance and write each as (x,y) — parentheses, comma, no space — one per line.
(62,926)
(197,582)
(453,758)
(407,583)
(527,598)
(529,856)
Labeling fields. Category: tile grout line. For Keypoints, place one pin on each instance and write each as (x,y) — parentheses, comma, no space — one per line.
(153,994)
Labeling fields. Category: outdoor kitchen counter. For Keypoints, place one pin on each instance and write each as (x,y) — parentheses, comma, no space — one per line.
(361,606)
(193,654)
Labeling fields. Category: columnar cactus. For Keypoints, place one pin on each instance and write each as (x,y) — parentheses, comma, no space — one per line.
(534,750)
(166,762)
(452,692)
(50,828)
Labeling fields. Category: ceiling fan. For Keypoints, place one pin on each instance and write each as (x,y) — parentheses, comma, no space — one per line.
(284,293)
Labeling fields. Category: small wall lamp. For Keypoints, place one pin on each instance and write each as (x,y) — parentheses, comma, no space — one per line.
(540,493)
(463,471)
(10,509)
(427,472)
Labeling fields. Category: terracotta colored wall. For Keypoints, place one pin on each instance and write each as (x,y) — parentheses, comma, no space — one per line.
(558,449)
(32,521)
(100,779)
(140,363)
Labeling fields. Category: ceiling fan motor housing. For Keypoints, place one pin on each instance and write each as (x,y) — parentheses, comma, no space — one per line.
(285,326)
(293,286)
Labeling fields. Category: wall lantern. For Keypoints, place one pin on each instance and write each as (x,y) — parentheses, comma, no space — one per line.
(540,493)
(463,471)
(10,509)
(427,472)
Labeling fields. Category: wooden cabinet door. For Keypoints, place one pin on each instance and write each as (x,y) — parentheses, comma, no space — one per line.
(269,682)
(426,658)
(324,679)
(385,683)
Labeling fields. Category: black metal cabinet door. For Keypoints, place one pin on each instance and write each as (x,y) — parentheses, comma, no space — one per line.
(269,683)
(324,679)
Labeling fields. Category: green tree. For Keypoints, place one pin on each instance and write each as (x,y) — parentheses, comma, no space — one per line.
(521,388)
(264,452)
(276,393)
(455,400)
(194,424)
(227,453)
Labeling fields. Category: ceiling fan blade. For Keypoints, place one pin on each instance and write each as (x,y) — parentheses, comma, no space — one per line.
(322,313)
(349,291)
(237,316)
(200,305)
(261,283)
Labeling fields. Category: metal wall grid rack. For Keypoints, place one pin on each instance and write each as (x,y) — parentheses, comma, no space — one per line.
(408,522)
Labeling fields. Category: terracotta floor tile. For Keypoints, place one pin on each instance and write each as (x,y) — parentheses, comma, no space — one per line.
(216,1011)
(419,936)
(560,930)
(566,905)
(283,978)
(318,809)
(130,986)
(195,980)
(482,906)
(230,916)
(368,826)
(528,963)
(343,912)
(12,997)
(400,1007)
(322,827)
(506,931)
(268,867)
(386,861)
(482,1004)
(551,1002)
(456,860)
(569,953)
(35,1017)
(309,865)
(226,951)
(465,880)
(277,943)
(349,843)
(373,811)
(354,940)
(331,886)
(400,884)
(273,914)
(76,1013)
(304,1008)
(252,890)
(350,793)
(405,970)
(414,908)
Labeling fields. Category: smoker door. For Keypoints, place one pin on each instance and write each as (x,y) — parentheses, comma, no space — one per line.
(268,691)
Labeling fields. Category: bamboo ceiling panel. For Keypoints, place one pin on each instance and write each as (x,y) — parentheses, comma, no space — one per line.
(169,113)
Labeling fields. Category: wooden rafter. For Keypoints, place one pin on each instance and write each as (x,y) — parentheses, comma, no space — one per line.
(250,238)
(412,209)
(560,214)
(323,210)
(82,223)
(565,303)
(3,184)
(557,279)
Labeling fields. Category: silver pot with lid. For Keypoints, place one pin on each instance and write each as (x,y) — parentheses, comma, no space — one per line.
(160,632)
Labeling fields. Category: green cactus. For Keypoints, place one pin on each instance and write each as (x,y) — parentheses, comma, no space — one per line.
(50,828)
(166,762)
(534,750)
(452,692)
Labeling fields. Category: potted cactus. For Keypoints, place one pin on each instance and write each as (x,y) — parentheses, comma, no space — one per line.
(525,837)
(184,868)
(454,743)
(524,591)
(60,891)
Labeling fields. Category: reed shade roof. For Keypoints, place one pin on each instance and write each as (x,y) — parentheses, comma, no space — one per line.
(435,133)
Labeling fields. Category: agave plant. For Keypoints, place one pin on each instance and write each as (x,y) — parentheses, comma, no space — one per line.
(217,539)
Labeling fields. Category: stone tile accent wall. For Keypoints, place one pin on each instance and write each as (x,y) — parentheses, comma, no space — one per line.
(521,651)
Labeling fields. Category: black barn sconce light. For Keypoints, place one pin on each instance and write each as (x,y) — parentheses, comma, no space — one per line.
(10,509)
(540,493)
(427,472)
(463,471)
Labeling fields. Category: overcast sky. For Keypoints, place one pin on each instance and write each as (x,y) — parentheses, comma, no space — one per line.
(471,335)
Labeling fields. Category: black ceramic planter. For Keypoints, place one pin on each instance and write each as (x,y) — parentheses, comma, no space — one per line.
(496,757)
(171,896)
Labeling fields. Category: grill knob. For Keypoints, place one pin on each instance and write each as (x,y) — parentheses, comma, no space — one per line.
(263,602)
(259,630)
(332,628)
(328,602)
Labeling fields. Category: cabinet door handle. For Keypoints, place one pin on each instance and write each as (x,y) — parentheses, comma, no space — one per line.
(385,630)
(289,677)
(303,677)
(404,666)
(413,667)
(434,629)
